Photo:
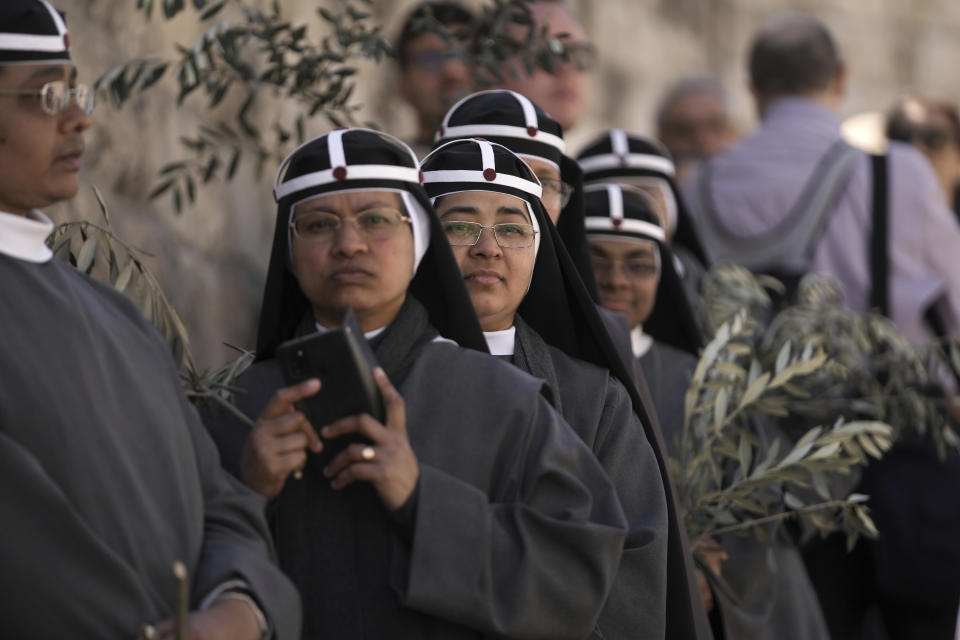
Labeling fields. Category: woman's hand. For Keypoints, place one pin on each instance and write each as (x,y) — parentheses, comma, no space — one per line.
(278,443)
(226,619)
(388,462)
(713,556)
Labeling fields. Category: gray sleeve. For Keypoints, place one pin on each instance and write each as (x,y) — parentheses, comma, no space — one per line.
(537,563)
(58,574)
(637,603)
(925,238)
(236,541)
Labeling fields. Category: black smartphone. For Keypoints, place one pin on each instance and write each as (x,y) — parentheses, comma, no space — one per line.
(342,360)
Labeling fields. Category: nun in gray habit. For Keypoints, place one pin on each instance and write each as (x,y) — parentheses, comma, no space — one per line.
(107,476)
(762,592)
(512,120)
(474,511)
(488,201)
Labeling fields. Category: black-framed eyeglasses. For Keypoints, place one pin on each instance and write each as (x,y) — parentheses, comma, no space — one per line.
(556,189)
(373,224)
(634,268)
(55,96)
(509,235)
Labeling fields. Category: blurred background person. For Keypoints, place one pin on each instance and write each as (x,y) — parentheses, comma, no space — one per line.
(433,71)
(694,121)
(741,198)
(562,93)
(933,128)
(794,198)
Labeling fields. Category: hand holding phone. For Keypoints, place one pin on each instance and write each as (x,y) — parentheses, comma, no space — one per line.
(388,462)
(279,441)
(342,360)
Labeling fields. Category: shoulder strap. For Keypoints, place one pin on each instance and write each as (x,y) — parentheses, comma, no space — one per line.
(879,237)
(789,246)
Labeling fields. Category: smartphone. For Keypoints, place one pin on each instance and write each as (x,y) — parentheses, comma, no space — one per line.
(342,360)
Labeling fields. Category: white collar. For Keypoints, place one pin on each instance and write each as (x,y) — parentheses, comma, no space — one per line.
(369,335)
(501,343)
(24,237)
(640,341)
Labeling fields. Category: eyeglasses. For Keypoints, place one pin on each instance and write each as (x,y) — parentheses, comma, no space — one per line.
(634,268)
(508,235)
(373,224)
(433,59)
(556,189)
(582,56)
(55,96)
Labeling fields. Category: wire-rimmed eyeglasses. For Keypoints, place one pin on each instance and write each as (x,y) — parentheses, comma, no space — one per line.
(373,224)
(55,96)
(509,235)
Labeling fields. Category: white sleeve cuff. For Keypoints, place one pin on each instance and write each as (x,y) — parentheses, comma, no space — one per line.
(238,590)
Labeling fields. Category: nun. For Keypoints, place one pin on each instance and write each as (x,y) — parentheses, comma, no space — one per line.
(618,157)
(514,121)
(751,590)
(488,202)
(107,477)
(636,276)
(473,510)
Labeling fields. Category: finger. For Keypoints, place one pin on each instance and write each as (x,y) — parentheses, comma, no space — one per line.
(288,424)
(288,463)
(161,631)
(355,473)
(282,401)
(351,455)
(392,400)
(296,441)
(280,425)
(363,424)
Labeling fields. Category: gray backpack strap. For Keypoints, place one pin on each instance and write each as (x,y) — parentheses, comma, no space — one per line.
(789,247)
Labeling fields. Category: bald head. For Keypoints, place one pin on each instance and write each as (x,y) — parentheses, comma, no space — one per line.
(793,55)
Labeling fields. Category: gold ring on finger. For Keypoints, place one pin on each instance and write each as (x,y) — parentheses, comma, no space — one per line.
(368,453)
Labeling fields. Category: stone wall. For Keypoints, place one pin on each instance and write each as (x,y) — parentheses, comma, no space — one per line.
(212,258)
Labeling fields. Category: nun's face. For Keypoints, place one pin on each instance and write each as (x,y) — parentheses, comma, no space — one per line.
(497,278)
(351,268)
(40,154)
(627,275)
(549,176)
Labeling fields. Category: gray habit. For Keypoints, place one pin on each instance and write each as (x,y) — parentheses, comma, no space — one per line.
(618,327)
(515,530)
(106,475)
(763,592)
(598,408)
(691,273)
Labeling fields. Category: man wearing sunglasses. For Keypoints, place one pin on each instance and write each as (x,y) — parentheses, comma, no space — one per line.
(561,90)
(107,477)
(433,70)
